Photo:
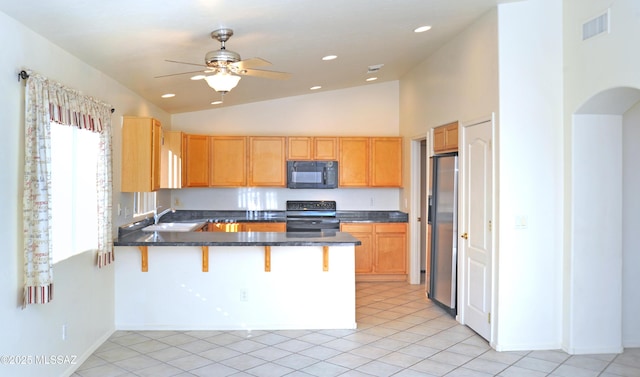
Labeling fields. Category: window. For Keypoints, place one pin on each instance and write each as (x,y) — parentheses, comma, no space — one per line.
(143,203)
(74,212)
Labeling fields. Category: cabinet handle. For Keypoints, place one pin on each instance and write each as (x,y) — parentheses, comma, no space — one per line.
(465,235)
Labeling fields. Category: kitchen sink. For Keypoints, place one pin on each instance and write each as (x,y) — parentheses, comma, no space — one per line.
(173,227)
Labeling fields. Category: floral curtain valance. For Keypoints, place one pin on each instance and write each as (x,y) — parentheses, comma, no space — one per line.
(47,101)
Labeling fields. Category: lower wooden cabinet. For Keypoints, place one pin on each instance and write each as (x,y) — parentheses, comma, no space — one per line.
(383,253)
(247,227)
(263,227)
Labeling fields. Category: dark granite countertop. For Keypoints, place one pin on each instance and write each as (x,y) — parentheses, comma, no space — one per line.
(279,216)
(132,234)
(142,238)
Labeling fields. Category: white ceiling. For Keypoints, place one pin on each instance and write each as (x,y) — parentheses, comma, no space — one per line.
(130,40)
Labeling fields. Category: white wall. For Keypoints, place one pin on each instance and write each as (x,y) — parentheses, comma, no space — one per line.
(630,226)
(370,110)
(236,293)
(595,285)
(83,295)
(530,177)
(593,67)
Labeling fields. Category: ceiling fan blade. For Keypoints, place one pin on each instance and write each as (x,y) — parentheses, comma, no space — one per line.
(266,74)
(179,62)
(251,63)
(182,73)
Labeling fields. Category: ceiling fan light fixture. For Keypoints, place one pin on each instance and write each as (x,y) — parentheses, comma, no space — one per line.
(222,82)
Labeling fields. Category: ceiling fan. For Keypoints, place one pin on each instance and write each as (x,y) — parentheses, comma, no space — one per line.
(227,67)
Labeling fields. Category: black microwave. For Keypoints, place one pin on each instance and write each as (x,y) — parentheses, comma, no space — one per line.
(312,174)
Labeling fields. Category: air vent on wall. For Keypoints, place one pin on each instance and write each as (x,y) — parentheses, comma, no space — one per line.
(596,26)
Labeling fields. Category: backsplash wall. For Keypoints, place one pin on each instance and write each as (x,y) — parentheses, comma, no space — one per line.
(259,199)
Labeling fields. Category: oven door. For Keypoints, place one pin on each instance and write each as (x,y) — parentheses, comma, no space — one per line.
(312,224)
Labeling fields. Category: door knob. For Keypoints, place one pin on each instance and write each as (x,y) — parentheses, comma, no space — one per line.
(465,235)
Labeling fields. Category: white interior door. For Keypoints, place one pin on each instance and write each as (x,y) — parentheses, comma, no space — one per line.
(475,227)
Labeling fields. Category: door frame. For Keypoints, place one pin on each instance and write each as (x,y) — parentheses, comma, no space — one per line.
(494,231)
(416,204)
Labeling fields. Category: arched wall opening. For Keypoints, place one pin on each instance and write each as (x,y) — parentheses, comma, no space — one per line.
(603,261)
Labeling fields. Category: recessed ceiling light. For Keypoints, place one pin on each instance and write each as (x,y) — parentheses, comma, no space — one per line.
(421,29)
(329,57)
(315,87)
(372,79)
(198,77)
(168,95)
(216,102)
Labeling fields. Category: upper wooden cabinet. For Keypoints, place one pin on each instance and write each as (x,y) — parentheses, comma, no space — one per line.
(171,160)
(386,162)
(196,161)
(445,138)
(267,162)
(353,162)
(228,161)
(370,161)
(141,139)
(312,148)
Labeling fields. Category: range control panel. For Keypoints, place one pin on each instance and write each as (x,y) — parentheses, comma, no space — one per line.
(311,205)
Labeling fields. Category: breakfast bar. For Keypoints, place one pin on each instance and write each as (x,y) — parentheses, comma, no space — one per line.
(234,280)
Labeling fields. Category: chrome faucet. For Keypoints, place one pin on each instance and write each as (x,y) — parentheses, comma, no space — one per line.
(157,216)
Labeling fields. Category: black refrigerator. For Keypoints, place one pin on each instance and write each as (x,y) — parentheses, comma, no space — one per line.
(441,284)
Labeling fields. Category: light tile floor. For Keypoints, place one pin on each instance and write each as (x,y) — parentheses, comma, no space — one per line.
(400,333)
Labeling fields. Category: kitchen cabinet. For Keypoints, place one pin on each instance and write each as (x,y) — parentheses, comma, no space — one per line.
(445,138)
(267,161)
(259,226)
(228,161)
(171,160)
(312,148)
(386,162)
(370,161)
(141,138)
(382,256)
(263,227)
(353,162)
(196,161)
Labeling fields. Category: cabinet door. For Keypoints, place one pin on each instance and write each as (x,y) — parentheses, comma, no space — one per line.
(228,161)
(196,161)
(171,160)
(363,252)
(386,162)
(141,139)
(299,148)
(223,227)
(325,148)
(391,248)
(353,161)
(263,227)
(445,138)
(267,161)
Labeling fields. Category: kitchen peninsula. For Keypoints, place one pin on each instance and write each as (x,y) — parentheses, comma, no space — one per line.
(234,280)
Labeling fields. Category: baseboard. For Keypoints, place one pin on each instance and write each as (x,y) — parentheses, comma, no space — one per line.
(83,357)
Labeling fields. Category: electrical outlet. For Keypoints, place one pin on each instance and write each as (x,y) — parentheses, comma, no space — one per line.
(244,295)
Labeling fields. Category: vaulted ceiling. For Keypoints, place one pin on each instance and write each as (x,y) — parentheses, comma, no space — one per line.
(131,40)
